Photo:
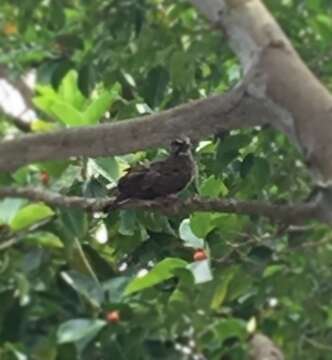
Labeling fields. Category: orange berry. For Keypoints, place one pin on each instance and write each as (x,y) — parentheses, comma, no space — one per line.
(10,28)
(199,255)
(113,316)
(44,177)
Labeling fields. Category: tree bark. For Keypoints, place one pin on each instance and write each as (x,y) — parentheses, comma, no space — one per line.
(287,82)
(196,119)
(285,213)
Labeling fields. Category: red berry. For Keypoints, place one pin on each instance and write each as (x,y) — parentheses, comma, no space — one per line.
(113,316)
(44,177)
(200,255)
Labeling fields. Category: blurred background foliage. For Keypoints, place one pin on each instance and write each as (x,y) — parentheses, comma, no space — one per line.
(68,279)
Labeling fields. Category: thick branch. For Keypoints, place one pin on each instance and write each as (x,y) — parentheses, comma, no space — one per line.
(196,119)
(296,213)
(250,28)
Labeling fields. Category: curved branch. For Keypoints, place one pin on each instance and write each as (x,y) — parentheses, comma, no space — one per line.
(295,213)
(250,28)
(196,119)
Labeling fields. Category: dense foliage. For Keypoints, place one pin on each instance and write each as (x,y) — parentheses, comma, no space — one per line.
(68,278)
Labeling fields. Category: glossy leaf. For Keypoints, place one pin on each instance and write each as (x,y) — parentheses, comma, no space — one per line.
(213,187)
(201,271)
(189,238)
(95,111)
(159,273)
(9,208)
(78,329)
(30,215)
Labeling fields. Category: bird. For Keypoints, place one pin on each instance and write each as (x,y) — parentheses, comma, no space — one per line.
(159,178)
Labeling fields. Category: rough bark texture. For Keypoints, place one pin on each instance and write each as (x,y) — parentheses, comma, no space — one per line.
(289,84)
(197,119)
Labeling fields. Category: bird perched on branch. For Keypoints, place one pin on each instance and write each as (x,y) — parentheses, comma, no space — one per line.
(159,178)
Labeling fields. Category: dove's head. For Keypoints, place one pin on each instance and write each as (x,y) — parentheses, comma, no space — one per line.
(181,145)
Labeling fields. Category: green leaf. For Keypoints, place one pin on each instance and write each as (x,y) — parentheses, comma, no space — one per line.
(201,223)
(106,167)
(115,288)
(62,106)
(127,222)
(260,172)
(30,215)
(230,225)
(75,223)
(229,328)
(85,285)
(46,90)
(42,126)
(47,96)
(229,148)
(273,269)
(179,302)
(67,114)
(45,239)
(70,92)
(201,271)
(155,86)
(213,187)
(9,209)
(182,71)
(189,238)
(247,164)
(78,329)
(161,272)
(15,351)
(101,104)
(241,284)
(221,292)
(234,142)
(66,175)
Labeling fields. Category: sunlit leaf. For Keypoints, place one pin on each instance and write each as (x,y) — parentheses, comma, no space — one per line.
(30,215)
(201,271)
(189,238)
(213,187)
(160,272)
(69,91)
(9,208)
(97,108)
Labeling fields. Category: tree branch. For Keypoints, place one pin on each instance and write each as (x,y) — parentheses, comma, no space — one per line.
(252,32)
(295,213)
(16,121)
(19,85)
(197,119)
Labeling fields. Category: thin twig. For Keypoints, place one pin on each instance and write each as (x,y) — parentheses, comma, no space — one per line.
(19,236)
(317,344)
(86,261)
